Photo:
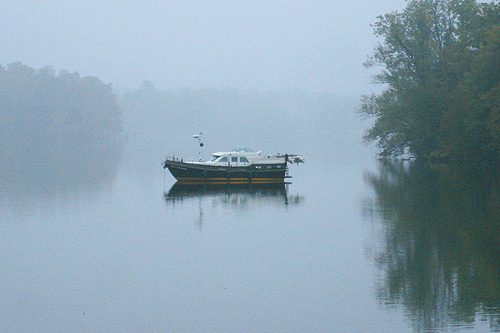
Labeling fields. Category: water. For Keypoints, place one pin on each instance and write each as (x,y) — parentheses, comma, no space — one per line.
(437,248)
(352,245)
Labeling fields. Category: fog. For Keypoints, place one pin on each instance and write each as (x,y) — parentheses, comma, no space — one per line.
(159,123)
(96,236)
(316,46)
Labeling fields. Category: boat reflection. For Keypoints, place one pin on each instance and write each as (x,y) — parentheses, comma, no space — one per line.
(236,195)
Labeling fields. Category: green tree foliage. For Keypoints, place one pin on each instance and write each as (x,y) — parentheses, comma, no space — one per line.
(440,60)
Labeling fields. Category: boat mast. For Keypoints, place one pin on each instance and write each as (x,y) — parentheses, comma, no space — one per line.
(198,136)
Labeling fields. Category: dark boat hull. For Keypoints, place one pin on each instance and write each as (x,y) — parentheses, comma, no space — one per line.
(196,173)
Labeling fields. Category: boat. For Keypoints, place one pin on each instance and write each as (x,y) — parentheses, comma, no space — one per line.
(241,165)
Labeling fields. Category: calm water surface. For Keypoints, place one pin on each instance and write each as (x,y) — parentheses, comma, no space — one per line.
(352,245)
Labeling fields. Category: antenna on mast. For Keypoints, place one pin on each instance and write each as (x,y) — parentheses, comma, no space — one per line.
(198,136)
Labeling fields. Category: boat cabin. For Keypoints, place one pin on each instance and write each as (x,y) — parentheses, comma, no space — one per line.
(241,157)
(229,159)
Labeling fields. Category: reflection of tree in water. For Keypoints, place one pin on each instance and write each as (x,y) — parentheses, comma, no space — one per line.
(440,249)
(63,171)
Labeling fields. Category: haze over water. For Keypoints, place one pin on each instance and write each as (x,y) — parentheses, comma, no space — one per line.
(261,45)
(351,245)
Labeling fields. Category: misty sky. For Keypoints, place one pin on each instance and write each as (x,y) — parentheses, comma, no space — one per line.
(311,45)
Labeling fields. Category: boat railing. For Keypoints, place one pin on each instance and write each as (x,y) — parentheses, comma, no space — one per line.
(173,158)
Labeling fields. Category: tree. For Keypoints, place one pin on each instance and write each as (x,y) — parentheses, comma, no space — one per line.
(425,51)
(471,125)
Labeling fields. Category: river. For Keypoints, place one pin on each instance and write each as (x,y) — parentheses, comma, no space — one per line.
(353,244)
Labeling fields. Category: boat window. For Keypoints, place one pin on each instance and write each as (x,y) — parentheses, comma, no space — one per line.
(224,159)
(234,159)
(243,160)
(213,158)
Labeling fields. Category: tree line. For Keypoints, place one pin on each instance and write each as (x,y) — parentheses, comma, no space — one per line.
(56,128)
(441,77)
(49,105)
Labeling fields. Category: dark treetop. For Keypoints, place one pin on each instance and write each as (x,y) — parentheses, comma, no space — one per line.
(442,81)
